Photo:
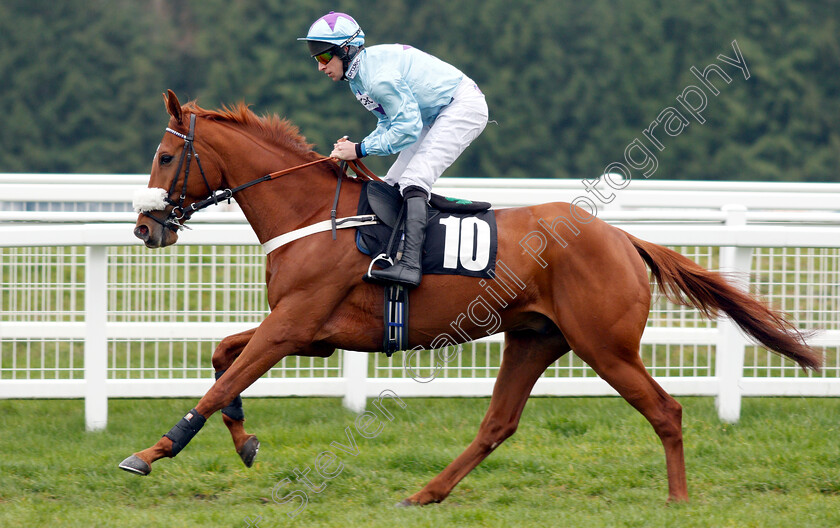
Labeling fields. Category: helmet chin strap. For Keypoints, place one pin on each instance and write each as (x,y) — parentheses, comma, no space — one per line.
(347,57)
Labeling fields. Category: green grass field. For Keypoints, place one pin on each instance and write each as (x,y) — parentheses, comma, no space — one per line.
(585,462)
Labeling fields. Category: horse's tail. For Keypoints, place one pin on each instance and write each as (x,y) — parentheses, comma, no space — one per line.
(685,282)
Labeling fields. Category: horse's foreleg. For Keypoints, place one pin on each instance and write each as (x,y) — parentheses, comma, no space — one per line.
(233,415)
(525,359)
(259,355)
(141,462)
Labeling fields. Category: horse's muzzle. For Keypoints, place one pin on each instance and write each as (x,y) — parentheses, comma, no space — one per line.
(154,235)
(142,232)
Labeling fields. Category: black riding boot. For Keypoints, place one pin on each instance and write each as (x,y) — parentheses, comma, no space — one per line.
(408,270)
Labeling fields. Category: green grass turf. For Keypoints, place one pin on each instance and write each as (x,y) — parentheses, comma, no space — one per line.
(585,462)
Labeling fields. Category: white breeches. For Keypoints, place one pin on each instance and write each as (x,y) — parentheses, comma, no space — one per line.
(440,144)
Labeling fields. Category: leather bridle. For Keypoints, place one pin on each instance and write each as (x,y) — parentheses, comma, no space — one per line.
(179,214)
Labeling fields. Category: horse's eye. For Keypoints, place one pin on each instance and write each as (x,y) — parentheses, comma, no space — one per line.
(165,159)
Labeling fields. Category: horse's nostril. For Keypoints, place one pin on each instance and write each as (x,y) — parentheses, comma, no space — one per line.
(142,232)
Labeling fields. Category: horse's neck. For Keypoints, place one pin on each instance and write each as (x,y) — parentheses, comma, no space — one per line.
(282,204)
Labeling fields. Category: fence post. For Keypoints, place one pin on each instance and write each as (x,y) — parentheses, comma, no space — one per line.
(96,341)
(731,343)
(355,369)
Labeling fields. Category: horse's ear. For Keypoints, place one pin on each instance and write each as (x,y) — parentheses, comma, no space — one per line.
(173,106)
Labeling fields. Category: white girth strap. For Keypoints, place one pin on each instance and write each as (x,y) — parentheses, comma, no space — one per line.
(326,225)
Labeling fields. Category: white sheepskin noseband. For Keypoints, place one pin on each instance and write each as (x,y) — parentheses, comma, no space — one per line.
(146,200)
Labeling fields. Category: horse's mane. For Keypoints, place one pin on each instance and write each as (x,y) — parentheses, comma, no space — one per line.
(270,127)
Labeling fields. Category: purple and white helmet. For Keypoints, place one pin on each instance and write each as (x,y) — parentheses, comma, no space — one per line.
(333,29)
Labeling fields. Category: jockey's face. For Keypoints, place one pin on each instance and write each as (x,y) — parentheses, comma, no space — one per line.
(334,69)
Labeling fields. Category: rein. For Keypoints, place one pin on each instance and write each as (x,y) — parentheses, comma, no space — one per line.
(226,194)
(179,214)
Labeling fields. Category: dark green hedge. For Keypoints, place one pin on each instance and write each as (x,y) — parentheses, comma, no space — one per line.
(570,85)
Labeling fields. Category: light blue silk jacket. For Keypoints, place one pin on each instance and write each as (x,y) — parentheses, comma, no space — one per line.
(405,89)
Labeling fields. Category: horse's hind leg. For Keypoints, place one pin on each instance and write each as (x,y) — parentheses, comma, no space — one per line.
(623,369)
(233,416)
(526,357)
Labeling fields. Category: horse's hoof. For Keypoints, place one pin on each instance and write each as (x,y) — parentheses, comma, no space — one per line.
(249,451)
(135,464)
(405,503)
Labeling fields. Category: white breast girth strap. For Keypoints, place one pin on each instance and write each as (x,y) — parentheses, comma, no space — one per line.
(326,225)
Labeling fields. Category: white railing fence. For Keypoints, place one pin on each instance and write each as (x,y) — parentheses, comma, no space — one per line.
(87,312)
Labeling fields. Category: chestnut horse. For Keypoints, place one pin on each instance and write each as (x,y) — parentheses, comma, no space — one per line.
(587,290)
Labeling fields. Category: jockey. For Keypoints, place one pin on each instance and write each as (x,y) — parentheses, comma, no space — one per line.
(427,110)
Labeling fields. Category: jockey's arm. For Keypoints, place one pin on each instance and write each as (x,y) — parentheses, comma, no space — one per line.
(401,124)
